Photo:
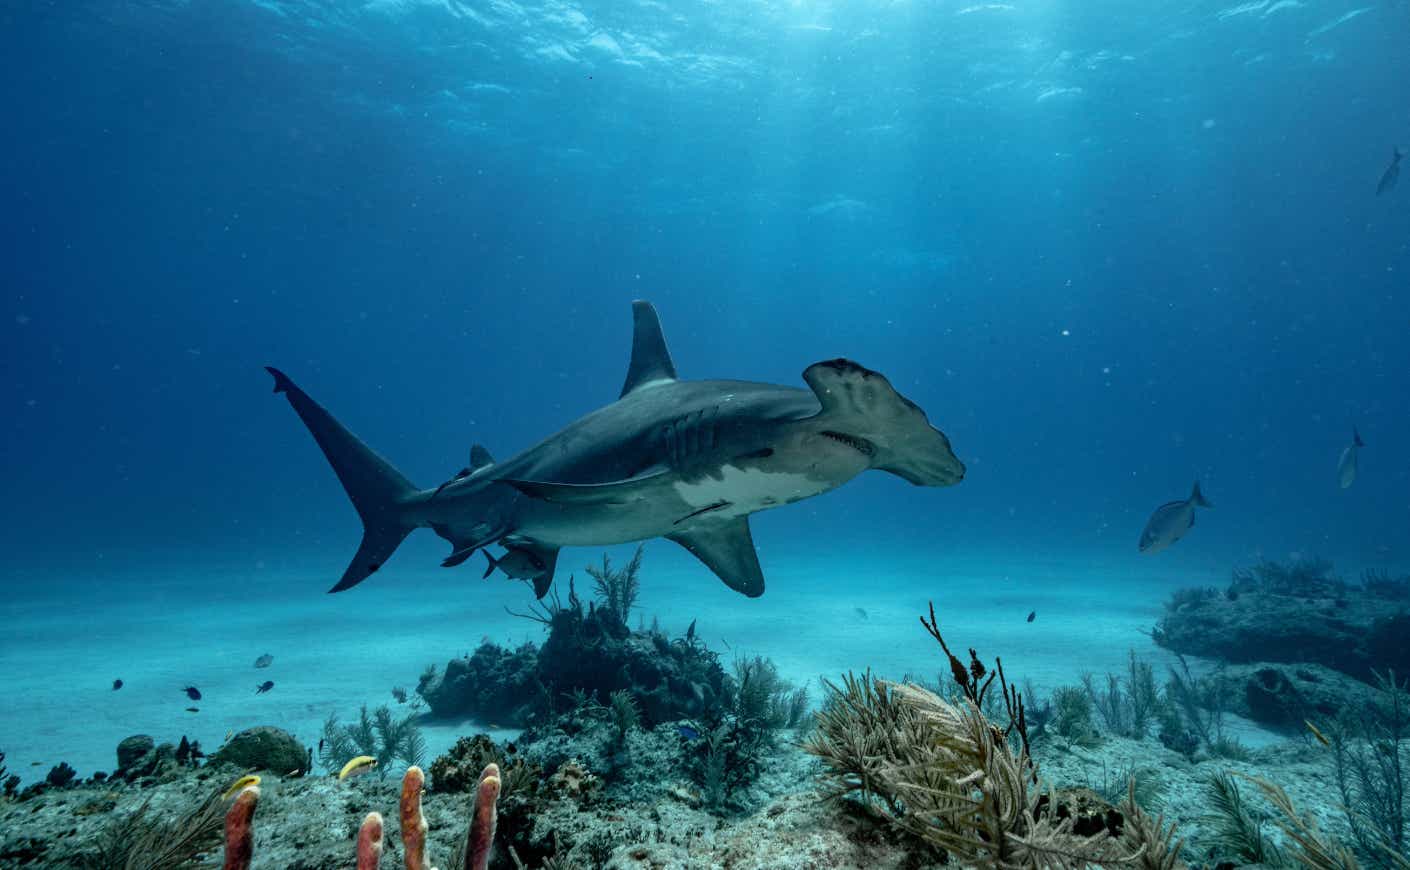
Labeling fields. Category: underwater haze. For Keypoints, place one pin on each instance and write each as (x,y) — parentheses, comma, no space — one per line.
(1110,248)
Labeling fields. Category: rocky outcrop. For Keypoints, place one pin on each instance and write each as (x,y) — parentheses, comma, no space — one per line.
(264,748)
(1335,627)
(1286,697)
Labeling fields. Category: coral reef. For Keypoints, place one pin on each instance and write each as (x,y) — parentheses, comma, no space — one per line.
(491,684)
(589,650)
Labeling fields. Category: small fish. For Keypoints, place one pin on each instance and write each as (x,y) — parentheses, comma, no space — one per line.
(320,745)
(239,784)
(517,563)
(690,632)
(1392,173)
(192,692)
(361,764)
(117,684)
(1346,465)
(1171,521)
(264,687)
(687,732)
(1032,615)
(1321,738)
(230,734)
(264,661)
(860,612)
(193,709)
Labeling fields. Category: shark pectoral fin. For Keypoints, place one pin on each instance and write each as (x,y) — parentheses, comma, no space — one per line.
(651,361)
(616,492)
(727,548)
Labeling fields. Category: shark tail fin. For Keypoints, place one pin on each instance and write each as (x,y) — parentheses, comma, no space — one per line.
(1197,498)
(1356,437)
(493,564)
(378,491)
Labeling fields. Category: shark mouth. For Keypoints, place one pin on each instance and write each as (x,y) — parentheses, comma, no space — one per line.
(861,445)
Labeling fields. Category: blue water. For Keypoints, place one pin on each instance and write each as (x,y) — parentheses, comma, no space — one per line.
(1108,247)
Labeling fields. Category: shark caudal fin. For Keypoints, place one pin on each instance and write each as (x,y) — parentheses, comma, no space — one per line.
(379,492)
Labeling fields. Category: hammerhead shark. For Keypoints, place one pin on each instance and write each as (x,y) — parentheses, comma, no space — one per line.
(684,460)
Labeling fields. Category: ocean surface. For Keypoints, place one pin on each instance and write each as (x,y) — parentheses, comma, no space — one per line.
(1110,248)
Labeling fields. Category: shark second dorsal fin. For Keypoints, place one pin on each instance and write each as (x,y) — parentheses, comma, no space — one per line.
(479,458)
(651,361)
(727,548)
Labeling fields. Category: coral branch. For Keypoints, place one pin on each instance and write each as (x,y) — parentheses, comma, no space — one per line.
(413,823)
(240,831)
(480,838)
(369,842)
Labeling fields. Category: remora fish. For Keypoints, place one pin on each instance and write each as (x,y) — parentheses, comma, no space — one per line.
(1392,173)
(1171,521)
(1346,465)
(684,460)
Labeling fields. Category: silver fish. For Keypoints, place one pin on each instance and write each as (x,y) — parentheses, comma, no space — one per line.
(1392,173)
(264,661)
(1346,465)
(1171,521)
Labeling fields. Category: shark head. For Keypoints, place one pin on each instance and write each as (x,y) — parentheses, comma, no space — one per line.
(863,413)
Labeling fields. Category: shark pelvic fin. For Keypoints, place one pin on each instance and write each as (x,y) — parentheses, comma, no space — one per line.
(651,361)
(615,492)
(466,547)
(727,548)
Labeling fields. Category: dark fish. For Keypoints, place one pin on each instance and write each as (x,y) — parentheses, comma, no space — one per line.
(1171,521)
(117,684)
(690,632)
(264,687)
(517,563)
(264,661)
(1032,615)
(192,692)
(688,732)
(1392,173)
(860,612)
(193,709)
(320,746)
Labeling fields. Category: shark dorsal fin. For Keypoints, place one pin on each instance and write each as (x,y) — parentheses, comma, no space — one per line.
(651,362)
(479,458)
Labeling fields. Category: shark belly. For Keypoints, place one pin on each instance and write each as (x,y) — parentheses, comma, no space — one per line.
(679,503)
